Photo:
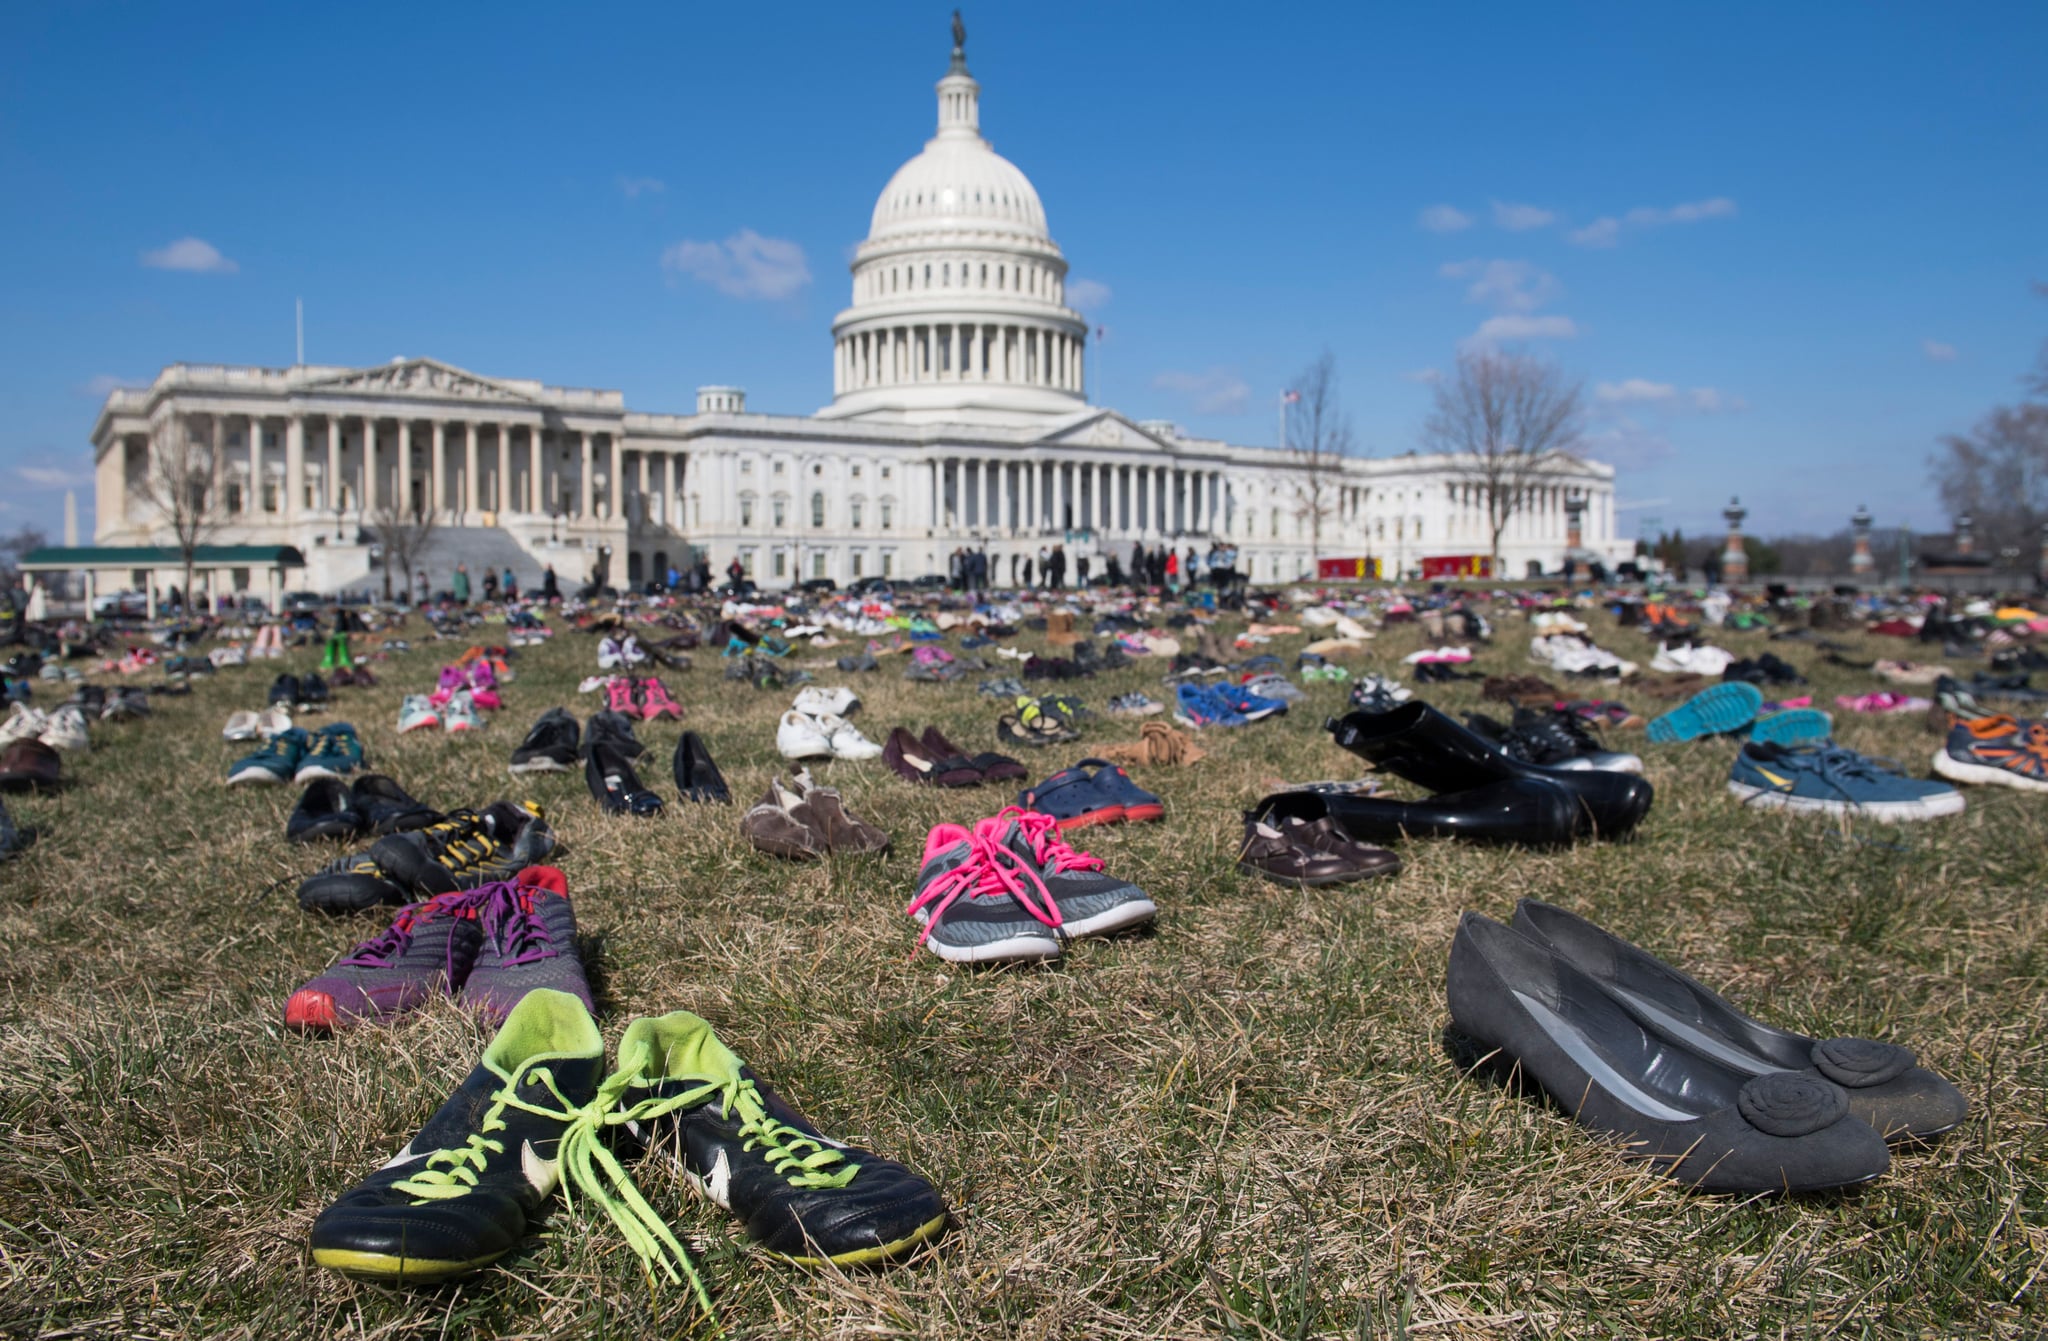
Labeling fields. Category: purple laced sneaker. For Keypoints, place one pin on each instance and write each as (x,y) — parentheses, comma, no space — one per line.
(528,940)
(428,949)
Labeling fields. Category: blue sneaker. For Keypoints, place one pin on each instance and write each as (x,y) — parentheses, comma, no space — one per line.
(1197,707)
(1794,726)
(1725,707)
(277,761)
(1829,780)
(1113,782)
(331,752)
(1073,798)
(1248,705)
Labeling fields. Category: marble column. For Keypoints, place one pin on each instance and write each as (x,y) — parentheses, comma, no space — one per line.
(471,493)
(373,487)
(408,503)
(293,501)
(437,468)
(330,494)
(615,479)
(639,484)
(501,491)
(587,505)
(536,455)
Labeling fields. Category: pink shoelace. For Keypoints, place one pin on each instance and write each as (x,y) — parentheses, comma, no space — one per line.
(991,870)
(1052,851)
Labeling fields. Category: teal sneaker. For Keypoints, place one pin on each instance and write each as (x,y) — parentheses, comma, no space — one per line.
(277,761)
(1829,780)
(1794,726)
(1712,712)
(331,752)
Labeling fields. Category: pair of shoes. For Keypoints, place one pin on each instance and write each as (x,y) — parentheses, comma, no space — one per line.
(1716,711)
(534,1113)
(1290,850)
(64,729)
(125,703)
(1036,723)
(416,712)
(1221,705)
(1485,793)
(819,701)
(1135,704)
(1157,745)
(463,849)
(1884,701)
(1321,671)
(475,679)
(1829,780)
(296,755)
(1766,669)
(1077,798)
(1010,888)
(802,735)
(934,759)
(308,692)
(859,661)
(1632,1048)
(1007,687)
(1268,685)
(645,697)
(803,821)
(1551,737)
(357,676)
(372,806)
(245,725)
(1995,750)
(619,653)
(1527,691)
(490,945)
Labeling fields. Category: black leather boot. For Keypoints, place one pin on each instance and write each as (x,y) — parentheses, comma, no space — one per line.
(1530,811)
(1416,742)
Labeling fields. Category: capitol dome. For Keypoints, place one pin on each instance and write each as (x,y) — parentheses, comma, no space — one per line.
(959,292)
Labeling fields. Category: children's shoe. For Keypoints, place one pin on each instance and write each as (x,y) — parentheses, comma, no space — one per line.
(426,952)
(1996,750)
(331,752)
(452,679)
(655,702)
(1723,708)
(1827,779)
(277,762)
(1110,779)
(1083,900)
(1073,799)
(528,942)
(417,714)
(978,901)
(619,697)
(608,654)
(460,714)
(802,1196)
(65,731)
(1248,705)
(1198,707)
(487,699)
(1135,704)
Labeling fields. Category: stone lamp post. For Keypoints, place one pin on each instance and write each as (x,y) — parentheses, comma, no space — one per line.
(1860,562)
(1574,533)
(1734,560)
(1966,539)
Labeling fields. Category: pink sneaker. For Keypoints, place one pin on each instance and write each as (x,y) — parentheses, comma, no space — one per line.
(481,676)
(1884,701)
(486,699)
(618,696)
(452,679)
(655,702)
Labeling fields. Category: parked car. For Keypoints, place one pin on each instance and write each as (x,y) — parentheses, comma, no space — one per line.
(820,584)
(121,605)
(930,580)
(870,586)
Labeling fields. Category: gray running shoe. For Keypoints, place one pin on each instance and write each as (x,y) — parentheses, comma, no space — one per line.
(1088,902)
(979,902)
(427,950)
(528,941)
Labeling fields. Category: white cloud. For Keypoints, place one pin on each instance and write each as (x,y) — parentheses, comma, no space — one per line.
(1606,231)
(1516,326)
(101,385)
(1937,352)
(1521,218)
(1505,286)
(1443,219)
(1629,446)
(1426,376)
(1217,391)
(1665,396)
(745,265)
(1088,295)
(1635,390)
(51,477)
(193,254)
(635,187)
(1710,400)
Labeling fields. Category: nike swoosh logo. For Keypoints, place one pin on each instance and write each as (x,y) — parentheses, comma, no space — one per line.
(718,1183)
(402,1157)
(540,1173)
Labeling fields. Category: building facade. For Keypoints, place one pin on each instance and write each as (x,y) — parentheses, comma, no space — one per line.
(960,418)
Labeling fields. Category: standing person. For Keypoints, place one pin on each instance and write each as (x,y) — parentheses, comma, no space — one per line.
(420,581)
(1112,571)
(550,585)
(702,573)
(461,584)
(490,585)
(1044,566)
(1137,563)
(1172,571)
(1081,571)
(1190,569)
(736,573)
(1027,572)
(1059,567)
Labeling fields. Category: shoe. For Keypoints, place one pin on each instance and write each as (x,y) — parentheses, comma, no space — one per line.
(386,808)
(1700,1121)
(313,694)
(1082,899)
(991,767)
(426,952)
(453,680)
(274,721)
(823,811)
(772,828)
(26,764)
(550,746)
(1416,742)
(460,713)
(801,736)
(1196,707)
(1826,779)
(1050,716)
(1135,705)
(125,704)
(23,723)
(697,777)
(1886,1088)
(977,901)
(1073,799)
(802,1196)
(613,729)
(324,812)
(1274,855)
(1724,708)
(331,752)
(350,884)
(615,785)
(910,760)
(241,726)
(466,848)
(1274,688)
(608,654)
(65,731)
(655,702)
(1041,730)
(416,714)
(528,943)
(1794,726)
(1139,805)
(284,691)
(462,1193)
(1005,688)
(276,762)
(1252,707)
(1528,812)
(815,701)
(1996,750)
(1553,739)
(845,739)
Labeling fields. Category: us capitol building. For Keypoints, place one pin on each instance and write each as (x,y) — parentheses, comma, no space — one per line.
(959,416)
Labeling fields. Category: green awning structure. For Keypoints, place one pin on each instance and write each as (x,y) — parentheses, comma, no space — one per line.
(61,558)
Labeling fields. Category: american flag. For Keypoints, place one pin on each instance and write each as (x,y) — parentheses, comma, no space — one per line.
(1290,397)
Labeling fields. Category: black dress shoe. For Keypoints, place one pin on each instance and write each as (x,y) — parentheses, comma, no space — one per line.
(1529,811)
(1886,1089)
(1701,1122)
(324,812)
(614,783)
(1416,742)
(697,777)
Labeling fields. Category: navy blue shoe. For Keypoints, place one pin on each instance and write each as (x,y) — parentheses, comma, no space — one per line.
(1074,798)
(1113,782)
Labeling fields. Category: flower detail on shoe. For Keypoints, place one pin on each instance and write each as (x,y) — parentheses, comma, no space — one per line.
(1787,1103)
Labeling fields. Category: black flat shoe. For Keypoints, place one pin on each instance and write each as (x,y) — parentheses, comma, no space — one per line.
(1528,811)
(1700,1122)
(324,812)
(697,777)
(1886,1089)
(615,785)
(1416,742)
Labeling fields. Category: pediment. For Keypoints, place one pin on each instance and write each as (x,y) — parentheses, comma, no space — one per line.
(421,377)
(1107,429)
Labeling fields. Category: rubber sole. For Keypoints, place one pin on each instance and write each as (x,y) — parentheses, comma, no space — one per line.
(1885,812)
(881,1252)
(398,1270)
(1794,726)
(1723,708)
(1955,770)
(261,777)
(1136,912)
(540,765)
(312,1012)
(1089,819)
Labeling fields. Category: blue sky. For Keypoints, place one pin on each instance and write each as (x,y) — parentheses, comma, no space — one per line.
(1785,246)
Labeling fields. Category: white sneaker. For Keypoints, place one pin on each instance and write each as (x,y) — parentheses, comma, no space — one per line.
(66,731)
(416,714)
(273,721)
(799,736)
(630,651)
(459,713)
(846,741)
(24,723)
(241,726)
(608,654)
(228,656)
(818,701)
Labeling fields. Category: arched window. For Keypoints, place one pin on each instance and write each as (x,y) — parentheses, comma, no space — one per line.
(818,508)
(778,513)
(888,514)
(853,511)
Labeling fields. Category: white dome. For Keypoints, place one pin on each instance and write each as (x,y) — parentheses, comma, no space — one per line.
(958,183)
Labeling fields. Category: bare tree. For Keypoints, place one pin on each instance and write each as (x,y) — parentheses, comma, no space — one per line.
(1511,421)
(183,480)
(404,537)
(15,547)
(1998,473)
(1319,441)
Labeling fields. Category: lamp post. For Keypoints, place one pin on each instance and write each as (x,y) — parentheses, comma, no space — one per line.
(1860,562)
(1965,537)
(1574,533)
(1734,560)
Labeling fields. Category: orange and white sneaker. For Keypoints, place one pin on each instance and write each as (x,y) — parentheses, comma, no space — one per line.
(1999,751)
